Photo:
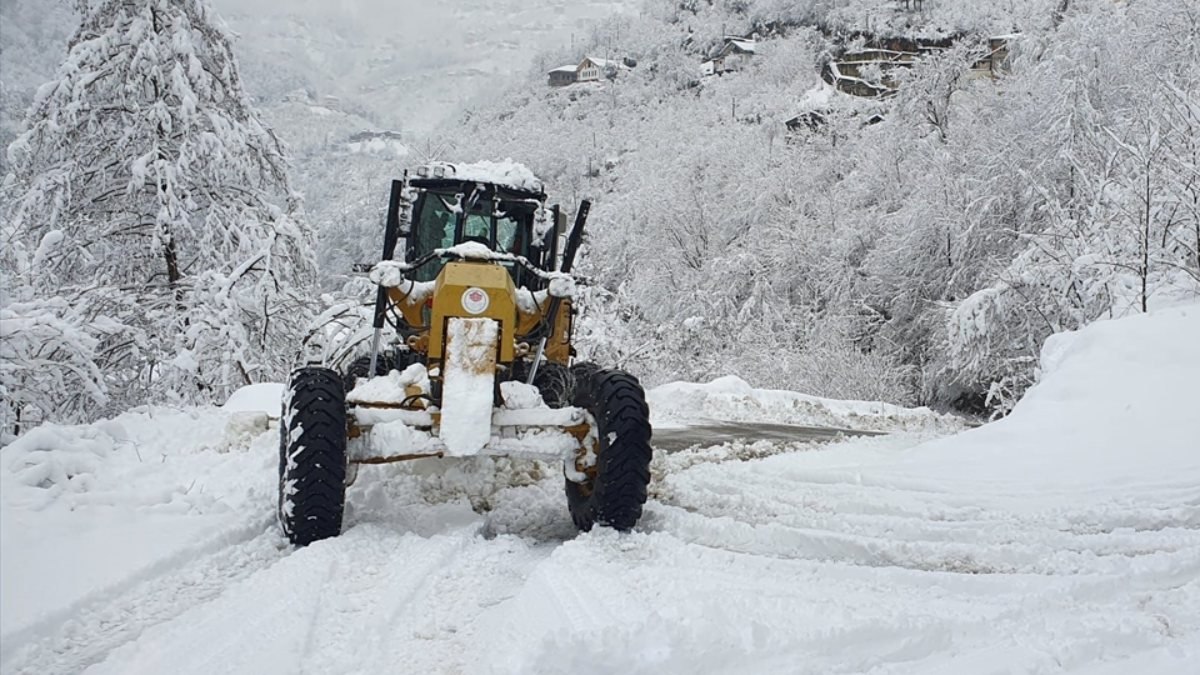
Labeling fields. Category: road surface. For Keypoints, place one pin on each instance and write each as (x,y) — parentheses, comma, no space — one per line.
(673,439)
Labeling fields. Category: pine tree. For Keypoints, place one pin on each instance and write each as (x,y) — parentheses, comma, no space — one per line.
(156,198)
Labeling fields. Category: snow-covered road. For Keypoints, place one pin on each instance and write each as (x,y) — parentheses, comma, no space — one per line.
(1065,538)
(717,433)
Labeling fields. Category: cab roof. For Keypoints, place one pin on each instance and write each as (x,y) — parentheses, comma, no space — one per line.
(506,176)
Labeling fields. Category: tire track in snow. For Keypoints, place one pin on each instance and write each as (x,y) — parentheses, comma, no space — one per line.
(377,599)
(92,628)
(306,611)
(439,630)
(748,510)
(411,602)
(374,573)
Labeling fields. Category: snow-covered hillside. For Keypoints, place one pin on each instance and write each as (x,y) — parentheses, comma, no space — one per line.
(917,248)
(407,64)
(1065,538)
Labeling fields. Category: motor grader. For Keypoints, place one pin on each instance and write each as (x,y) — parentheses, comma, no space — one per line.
(478,312)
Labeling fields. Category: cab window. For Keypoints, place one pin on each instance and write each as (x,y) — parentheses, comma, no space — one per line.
(434,229)
(435,223)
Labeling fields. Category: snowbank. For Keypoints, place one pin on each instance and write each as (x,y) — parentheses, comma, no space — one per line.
(732,399)
(264,397)
(1065,538)
(1116,406)
(86,510)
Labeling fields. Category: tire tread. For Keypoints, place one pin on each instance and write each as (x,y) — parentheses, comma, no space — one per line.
(618,404)
(313,432)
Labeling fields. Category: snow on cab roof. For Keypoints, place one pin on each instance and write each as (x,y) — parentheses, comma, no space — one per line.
(508,173)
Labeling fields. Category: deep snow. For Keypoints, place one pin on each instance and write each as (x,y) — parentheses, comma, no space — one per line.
(1065,538)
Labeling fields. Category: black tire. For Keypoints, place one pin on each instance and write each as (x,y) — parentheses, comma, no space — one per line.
(312,435)
(386,363)
(581,379)
(553,380)
(615,495)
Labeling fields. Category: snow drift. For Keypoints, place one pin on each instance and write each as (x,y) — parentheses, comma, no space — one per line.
(732,399)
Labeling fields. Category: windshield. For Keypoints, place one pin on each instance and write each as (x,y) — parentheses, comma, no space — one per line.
(433,229)
(435,223)
(478,227)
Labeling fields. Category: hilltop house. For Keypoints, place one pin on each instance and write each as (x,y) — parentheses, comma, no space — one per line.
(850,73)
(732,56)
(995,61)
(590,69)
(871,72)
(563,75)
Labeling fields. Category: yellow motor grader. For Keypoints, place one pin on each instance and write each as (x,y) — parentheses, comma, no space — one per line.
(479,314)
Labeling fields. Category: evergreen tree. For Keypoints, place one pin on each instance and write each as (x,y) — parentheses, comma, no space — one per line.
(146,188)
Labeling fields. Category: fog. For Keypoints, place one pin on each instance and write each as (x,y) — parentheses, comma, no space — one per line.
(403,64)
(407,64)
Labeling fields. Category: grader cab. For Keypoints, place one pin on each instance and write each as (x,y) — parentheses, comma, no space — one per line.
(478,359)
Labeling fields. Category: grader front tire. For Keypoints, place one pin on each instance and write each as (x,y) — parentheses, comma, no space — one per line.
(312,456)
(614,494)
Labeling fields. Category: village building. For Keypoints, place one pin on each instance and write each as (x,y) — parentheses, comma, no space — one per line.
(870,72)
(733,55)
(995,62)
(563,75)
(590,69)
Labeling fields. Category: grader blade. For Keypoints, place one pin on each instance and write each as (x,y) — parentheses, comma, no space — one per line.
(469,382)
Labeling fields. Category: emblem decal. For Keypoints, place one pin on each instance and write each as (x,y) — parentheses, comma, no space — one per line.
(475,300)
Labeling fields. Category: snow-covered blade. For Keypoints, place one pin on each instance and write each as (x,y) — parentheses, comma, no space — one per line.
(469,374)
(391,425)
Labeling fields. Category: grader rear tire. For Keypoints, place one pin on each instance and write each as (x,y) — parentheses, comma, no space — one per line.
(385,363)
(614,496)
(553,380)
(312,456)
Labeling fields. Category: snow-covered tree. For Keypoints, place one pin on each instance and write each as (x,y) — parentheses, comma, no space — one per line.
(918,248)
(155,198)
(1112,221)
(47,363)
